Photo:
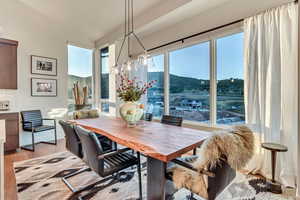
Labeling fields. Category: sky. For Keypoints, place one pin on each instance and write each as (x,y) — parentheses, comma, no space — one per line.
(191,61)
(80,61)
(194,61)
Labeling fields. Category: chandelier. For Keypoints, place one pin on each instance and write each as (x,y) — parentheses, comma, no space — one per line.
(129,33)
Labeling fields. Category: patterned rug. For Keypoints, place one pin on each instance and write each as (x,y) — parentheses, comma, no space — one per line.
(40,179)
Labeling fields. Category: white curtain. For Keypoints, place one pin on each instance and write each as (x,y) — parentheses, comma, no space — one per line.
(271,87)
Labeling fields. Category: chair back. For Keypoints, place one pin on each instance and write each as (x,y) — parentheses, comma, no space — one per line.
(85,114)
(33,116)
(171,120)
(148,117)
(73,143)
(91,148)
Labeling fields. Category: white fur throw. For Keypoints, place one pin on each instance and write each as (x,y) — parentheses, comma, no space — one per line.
(236,144)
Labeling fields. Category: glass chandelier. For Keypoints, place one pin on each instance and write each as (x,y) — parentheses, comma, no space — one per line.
(142,60)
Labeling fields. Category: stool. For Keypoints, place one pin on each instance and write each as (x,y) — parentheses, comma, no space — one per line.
(273,186)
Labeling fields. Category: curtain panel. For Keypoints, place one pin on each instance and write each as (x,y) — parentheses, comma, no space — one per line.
(271,87)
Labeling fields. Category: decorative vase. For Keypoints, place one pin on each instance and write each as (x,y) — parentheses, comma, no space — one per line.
(131,112)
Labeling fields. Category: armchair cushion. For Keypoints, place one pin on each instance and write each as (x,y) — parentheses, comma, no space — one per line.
(43,128)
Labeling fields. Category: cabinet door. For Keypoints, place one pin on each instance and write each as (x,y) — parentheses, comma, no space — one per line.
(8,66)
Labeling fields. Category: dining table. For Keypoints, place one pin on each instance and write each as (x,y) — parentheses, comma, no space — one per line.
(160,143)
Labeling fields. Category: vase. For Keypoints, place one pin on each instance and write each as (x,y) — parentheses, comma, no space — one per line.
(131,113)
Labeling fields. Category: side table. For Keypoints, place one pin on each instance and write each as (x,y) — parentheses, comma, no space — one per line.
(274,186)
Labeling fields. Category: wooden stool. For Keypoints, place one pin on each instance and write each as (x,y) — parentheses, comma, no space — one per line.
(273,186)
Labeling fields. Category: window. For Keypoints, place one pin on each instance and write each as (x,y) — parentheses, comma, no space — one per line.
(230,80)
(155,95)
(80,69)
(205,82)
(189,83)
(104,79)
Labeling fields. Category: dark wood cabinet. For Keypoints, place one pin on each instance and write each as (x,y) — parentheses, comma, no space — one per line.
(12,130)
(8,64)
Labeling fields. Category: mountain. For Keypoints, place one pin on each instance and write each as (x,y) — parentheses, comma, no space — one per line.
(180,84)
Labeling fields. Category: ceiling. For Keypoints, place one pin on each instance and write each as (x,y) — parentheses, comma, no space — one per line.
(96,19)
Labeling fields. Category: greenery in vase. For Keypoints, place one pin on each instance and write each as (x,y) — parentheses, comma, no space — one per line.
(132,90)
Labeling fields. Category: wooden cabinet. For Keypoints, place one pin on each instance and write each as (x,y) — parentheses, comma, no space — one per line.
(8,64)
(12,130)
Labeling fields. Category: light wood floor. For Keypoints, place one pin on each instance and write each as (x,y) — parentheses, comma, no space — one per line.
(9,159)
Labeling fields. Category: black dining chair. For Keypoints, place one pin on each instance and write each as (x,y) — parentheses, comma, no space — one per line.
(171,120)
(90,114)
(33,122)
(107,165)
(175,121)
(73,145)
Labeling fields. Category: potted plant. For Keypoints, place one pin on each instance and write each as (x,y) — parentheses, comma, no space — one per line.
(130,92)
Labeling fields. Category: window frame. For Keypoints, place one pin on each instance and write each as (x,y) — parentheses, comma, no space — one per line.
(102,100)
(212,39)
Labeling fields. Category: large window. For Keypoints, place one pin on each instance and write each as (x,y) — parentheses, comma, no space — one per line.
(155,95)
(230,80)
(189,82)
(205,82)
(104,79)
(80,70)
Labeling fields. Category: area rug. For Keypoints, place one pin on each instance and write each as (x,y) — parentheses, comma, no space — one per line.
(40,179)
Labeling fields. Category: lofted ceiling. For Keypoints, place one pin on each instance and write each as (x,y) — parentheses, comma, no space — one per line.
(96,19)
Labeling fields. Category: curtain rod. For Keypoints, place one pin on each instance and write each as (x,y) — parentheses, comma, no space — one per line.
(197,34)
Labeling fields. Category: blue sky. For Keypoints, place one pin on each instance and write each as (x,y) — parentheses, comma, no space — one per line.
(191,61)
(194,61)
(80,61)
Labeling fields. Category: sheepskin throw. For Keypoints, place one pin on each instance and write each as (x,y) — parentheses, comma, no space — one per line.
(236,145)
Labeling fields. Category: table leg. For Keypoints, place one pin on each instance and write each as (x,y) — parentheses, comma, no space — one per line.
(273,165)
(155,179)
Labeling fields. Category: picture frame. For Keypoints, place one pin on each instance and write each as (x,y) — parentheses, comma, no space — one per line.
(43,65)
(42,87)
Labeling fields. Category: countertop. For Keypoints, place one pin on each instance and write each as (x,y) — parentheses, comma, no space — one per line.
(2,131)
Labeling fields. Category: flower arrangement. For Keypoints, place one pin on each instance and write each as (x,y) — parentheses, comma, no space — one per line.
(133,90)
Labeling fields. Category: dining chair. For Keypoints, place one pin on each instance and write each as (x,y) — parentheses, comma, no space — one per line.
(171,120)
(175,121)
(90,114)
(74,146)
(107,165)
(32,121)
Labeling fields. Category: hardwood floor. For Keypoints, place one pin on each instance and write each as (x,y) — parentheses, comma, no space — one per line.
(9,159)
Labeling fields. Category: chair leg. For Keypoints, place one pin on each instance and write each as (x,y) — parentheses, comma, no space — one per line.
(140,175)
(195,151)
(55,139)
(32,146)
(64,179)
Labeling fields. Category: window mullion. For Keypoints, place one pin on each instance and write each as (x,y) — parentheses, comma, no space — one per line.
(213,82)
(166,83)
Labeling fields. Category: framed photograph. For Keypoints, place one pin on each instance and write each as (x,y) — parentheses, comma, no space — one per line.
(43,65)
(41,87)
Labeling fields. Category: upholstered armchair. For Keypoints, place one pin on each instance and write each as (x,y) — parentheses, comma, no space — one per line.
(215,166)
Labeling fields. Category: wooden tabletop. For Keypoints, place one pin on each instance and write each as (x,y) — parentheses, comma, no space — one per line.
(274,147)
(159,141)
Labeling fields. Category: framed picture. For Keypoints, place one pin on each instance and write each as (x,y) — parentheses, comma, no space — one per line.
(41,87)
(43,65)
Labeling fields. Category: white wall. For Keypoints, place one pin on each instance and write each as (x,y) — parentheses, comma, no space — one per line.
(37,35)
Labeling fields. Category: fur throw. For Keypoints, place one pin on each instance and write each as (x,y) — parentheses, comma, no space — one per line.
(236,145)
